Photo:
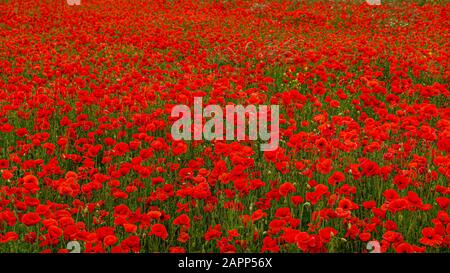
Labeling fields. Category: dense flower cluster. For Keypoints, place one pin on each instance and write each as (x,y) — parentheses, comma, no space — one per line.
(86,153)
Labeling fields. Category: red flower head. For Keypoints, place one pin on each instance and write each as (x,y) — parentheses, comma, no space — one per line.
(31,219)
(110,240)
(183,220)
(324,165)
(177,249)
(159,230)
(31,183)
(270,244)
(286,188)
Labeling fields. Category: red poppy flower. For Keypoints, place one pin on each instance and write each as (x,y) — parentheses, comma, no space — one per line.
(31,219)
(324,165)
(176,249)
(183,219)
(54,232)
(258,214)
(129,228)
(430,237)
(270,245)
(286,188)
(31,183)
(159,230)
(213,233)
(110,240)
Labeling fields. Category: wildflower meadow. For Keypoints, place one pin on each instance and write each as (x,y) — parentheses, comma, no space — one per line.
(353,96)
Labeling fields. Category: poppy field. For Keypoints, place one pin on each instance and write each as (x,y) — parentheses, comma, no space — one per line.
(87,156)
